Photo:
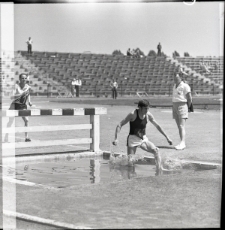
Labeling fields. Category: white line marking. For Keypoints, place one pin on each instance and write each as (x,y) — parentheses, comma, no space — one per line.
(66,145)
(168,111)
(27,183)
(40,102)
(42,220)
(78,147)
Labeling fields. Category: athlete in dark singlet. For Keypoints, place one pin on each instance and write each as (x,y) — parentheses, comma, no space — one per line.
(138,126)
(137,136)
(21,95)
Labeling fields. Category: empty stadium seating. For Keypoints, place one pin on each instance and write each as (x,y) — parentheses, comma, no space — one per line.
(215,63)
(151,74)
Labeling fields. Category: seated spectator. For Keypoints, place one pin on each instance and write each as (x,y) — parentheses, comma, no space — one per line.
(205,68)
(129,52)
(200,66)
(216,66)
(208,65)
(180,71)
(133,53)
(138,53)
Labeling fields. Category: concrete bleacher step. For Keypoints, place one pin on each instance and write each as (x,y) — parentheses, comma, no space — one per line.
(104,66)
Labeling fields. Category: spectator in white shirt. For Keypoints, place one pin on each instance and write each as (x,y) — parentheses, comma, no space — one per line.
(114,86)
(73,89)
(77,86)
(29,45)
(182,102)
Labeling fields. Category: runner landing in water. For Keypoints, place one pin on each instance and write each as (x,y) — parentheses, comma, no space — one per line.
(138,120)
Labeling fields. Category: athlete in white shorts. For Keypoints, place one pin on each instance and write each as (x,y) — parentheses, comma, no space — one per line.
(182,100)
(137,136)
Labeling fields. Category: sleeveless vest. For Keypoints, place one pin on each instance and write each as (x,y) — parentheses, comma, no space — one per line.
(138,126)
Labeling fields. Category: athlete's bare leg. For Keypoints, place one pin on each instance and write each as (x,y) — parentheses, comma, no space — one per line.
(181,127)
(26,124)
(130,152)
(150,147)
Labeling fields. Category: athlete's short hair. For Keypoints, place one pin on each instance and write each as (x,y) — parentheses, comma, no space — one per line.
(20,76)
(143,103)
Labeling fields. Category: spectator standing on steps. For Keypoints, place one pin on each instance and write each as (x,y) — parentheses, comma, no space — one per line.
(114,86)
(129,52)
(159,47)
(73,84)
(77,86)
(29,45)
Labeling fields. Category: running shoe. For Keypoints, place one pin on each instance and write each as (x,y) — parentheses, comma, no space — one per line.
(180,147)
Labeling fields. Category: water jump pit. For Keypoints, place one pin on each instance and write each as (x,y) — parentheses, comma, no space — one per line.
(61,171)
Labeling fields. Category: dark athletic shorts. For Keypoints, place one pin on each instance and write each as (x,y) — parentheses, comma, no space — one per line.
(15,106)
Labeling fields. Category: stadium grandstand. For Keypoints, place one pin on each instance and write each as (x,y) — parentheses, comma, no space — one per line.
(51,73)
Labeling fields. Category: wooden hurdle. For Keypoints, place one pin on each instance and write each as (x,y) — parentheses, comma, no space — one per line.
(94,127)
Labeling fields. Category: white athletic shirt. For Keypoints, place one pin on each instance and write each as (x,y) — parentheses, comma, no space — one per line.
(78,82)
(29,42)
(74,82)
(179,93)
(17,91)
(115,85)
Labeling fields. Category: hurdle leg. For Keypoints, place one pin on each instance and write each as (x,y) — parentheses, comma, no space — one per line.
(10,121)
(95,133)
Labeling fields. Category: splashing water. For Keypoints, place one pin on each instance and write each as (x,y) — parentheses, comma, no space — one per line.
(172,164)
(121,160)
(124,160)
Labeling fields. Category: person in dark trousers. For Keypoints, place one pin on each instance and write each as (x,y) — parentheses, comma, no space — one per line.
(129,52)
(73,85)
(77,86)
(29,45)
(159,47)
(114,86)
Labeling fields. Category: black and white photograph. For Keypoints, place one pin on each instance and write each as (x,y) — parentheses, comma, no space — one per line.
(111,114)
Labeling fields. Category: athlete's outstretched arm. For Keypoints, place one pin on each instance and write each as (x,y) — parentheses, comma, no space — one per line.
(18,92)
(119,126)
(155,123)
(29,102)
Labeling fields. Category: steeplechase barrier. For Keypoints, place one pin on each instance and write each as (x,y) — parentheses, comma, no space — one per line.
(94,127)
